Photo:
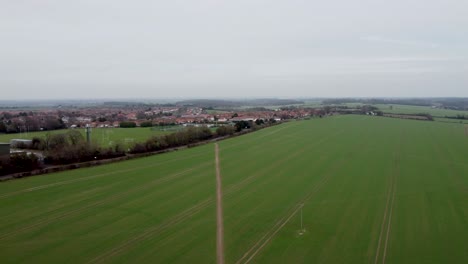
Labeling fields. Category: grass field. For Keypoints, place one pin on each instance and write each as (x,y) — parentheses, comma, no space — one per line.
(451,120)
(413,109)
(216,112)
(102,136)
(371,190)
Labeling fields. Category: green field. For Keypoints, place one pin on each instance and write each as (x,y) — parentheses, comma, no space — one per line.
(451,120)
(414,109)
(216,112)
(102,136)
(371,189)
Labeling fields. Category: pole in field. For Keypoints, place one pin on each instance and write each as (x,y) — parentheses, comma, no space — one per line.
(88,134)
(301,219)
(302,230)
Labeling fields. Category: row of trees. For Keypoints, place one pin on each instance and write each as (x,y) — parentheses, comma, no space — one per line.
(28,124)
(20,162)
(458,116)
(71,147)
(187,136)
(127,124)
(63,148)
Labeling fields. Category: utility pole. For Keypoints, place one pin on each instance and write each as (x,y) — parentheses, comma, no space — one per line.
(302,230)
(88,134)
(301,217)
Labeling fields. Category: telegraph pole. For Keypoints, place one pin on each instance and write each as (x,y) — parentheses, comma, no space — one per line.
(301,217)
(302,230)
(88,134)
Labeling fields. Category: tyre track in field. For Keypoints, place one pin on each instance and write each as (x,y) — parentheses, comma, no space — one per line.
(74,202)
(235,187)
(387,235)
(186,214)
(270,234)
(77,198)
(389,204)
(385,228)
(41,187)
(101,202)
(244,196)
(447,157)
(279,128)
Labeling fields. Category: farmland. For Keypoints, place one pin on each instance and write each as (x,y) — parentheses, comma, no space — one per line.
(438,114)
(102,136)
(413,109)
(369,189)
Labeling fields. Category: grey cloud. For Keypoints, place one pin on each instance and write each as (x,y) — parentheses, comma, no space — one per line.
(207,48)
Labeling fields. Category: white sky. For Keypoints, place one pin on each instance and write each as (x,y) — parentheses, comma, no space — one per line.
(53,49)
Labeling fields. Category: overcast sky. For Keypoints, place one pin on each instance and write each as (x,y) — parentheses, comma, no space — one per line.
(53,49)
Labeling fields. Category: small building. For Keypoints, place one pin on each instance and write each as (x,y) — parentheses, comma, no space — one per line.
(4,152)
(247,119)
(21,143)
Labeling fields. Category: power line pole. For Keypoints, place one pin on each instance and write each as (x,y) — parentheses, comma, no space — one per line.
(301,217)
(302,230)
(88,134)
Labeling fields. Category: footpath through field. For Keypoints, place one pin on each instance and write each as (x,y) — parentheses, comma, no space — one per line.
(219,211)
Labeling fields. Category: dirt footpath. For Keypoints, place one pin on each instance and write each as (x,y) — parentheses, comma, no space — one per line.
(219,212)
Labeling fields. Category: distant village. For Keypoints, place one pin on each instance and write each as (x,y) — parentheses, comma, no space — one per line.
(18,121)
(202,124)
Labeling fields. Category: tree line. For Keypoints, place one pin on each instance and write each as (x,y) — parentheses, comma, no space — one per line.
(71,146)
